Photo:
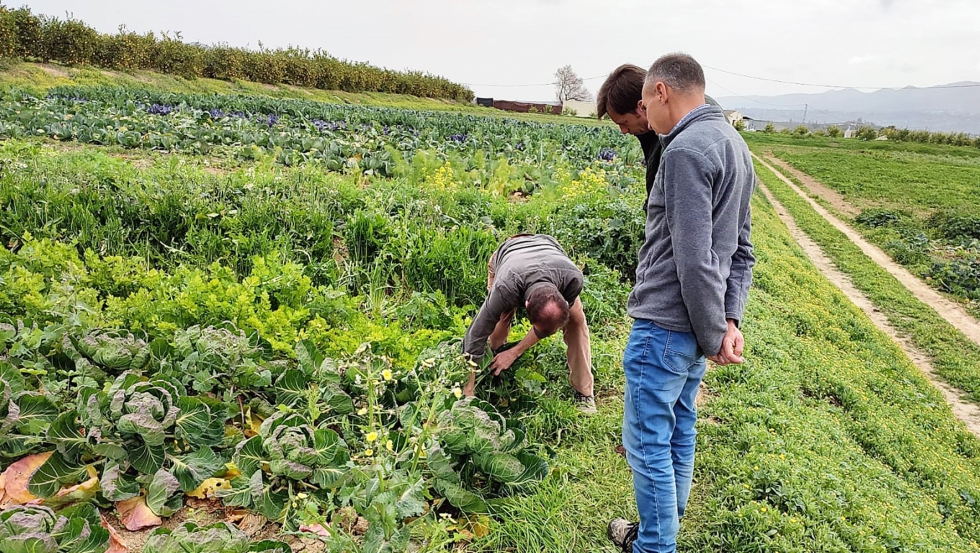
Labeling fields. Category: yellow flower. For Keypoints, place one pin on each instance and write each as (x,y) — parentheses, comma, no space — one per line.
(301,495)
(362,411)
(457,392)
(386,374)
(369,452)
(389,445)
(372,436)
(764,509)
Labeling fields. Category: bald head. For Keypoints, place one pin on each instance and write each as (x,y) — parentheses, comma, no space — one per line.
(547,309)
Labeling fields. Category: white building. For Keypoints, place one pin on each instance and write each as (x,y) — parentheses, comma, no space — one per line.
(582,109)
(733,116)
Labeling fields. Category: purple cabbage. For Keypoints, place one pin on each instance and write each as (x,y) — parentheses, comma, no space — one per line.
(160,109)
(607,154)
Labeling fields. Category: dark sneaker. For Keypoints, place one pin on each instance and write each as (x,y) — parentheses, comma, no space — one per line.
(622,533)
(585,404)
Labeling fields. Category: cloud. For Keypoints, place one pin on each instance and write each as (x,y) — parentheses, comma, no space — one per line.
(867,58)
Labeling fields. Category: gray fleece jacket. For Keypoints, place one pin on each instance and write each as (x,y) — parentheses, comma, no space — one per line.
(695,266)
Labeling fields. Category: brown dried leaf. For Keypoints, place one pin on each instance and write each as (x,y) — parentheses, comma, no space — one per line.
(116,544)
(16,478)
(251,524)
(135,515)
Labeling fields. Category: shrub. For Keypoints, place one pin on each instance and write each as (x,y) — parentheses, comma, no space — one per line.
(70,42)
(172,56)
(125,50)
(877,218)
(956,227)
(867,133)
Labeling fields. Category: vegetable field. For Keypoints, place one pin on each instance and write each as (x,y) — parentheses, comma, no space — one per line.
(218,310)
(919,203)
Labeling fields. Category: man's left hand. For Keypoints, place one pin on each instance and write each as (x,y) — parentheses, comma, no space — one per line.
(503,360)
(731,347)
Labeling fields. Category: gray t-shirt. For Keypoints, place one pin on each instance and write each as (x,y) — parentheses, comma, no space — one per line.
(521,264)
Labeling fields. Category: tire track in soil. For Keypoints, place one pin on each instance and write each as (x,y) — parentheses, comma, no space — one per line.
(827,193)
(968,413)
(954,314)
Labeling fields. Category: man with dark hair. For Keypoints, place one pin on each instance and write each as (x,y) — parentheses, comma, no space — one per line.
(692,283)
(534,272)
(620,97)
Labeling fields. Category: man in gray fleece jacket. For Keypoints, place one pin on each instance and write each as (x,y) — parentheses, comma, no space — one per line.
(692,282)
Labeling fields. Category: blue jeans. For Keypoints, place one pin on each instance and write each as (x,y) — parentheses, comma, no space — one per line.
(663,371)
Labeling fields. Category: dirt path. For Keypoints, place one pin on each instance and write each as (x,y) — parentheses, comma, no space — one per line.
(952,312)
(828,194)
(968,413)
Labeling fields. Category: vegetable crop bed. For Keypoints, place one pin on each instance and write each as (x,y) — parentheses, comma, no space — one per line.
(276,336)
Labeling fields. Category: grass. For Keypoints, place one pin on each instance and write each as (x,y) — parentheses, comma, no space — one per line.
(922,209)
(919,183)
(758,140)
(956,358)
(827,439)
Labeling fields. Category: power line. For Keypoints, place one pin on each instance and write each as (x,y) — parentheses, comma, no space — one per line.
(528,85)
(967,85)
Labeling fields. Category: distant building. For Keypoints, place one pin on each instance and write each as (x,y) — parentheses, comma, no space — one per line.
(581,109)
(851,132)
(733,117)
(553,108)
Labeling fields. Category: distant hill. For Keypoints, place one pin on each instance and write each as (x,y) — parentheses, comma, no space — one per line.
(951,107)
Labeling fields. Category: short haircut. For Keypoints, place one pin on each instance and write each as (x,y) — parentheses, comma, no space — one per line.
(622,90)
(538,301)
(678,71)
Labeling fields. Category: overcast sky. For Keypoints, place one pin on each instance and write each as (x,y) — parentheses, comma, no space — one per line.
(859,43)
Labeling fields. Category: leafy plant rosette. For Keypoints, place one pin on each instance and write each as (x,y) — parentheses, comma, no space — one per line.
(215,538)
(38,529)
(151,439)
(209,358)
(287,460)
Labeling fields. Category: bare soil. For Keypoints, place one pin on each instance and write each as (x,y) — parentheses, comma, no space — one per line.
(831,196)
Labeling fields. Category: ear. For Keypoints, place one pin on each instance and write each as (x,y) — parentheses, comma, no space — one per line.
(639,106)
(527,304)
(662,92)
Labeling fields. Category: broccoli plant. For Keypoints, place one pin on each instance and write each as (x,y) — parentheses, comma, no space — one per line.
(215,538)
(149,435)
(38,529)
(287,457)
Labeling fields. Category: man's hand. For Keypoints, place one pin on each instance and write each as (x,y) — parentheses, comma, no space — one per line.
(731,347)
(503,360)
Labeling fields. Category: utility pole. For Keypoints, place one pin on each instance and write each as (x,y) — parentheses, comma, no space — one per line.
(805,108)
